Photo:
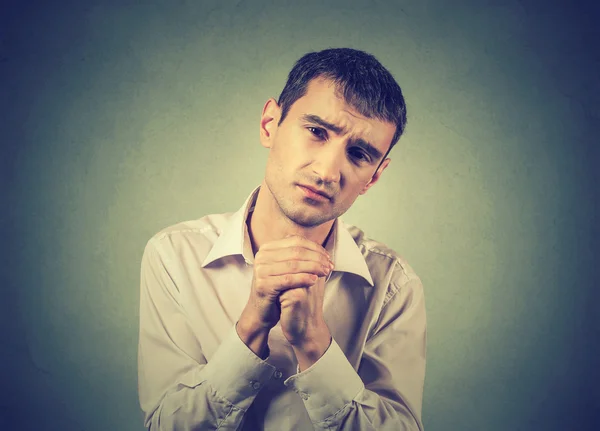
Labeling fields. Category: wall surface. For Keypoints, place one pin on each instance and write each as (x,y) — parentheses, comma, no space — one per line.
(119,118)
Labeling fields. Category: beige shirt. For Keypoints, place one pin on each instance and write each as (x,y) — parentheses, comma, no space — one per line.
(195,373)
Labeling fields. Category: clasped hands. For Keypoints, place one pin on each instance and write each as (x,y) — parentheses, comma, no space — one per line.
(288,286)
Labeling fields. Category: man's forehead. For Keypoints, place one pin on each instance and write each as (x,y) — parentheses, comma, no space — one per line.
(324,100)
(321,88)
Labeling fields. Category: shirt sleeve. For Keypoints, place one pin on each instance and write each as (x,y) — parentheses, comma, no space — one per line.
(387,391)
(178,388)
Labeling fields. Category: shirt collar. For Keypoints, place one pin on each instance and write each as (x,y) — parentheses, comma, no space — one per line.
(235,240)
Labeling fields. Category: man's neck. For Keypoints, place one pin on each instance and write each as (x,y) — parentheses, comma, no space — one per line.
(266,223)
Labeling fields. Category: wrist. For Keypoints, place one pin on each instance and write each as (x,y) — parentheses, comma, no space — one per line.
(308,353)
(254,337)
(310,349)
(247,323)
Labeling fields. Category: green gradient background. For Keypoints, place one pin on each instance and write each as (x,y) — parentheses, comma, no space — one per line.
(119,120)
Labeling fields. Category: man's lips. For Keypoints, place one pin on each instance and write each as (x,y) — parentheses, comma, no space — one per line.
(318,191)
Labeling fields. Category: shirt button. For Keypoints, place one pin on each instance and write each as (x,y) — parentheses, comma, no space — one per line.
(256,385)
(304,396)
(278,374)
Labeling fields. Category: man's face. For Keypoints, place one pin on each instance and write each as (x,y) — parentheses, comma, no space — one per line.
(322,143)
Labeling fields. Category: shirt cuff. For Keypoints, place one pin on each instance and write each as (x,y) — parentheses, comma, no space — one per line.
(328,385)
(235,372)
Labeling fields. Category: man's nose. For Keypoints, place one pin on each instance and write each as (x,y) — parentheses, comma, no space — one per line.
(328,162)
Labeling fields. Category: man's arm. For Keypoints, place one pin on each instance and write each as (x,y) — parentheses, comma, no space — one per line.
(387,391)
(178,388)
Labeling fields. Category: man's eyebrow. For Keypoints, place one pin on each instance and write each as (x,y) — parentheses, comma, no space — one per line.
(369,148)
(311,118)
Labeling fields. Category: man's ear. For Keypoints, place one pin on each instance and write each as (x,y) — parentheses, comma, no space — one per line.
(268,122)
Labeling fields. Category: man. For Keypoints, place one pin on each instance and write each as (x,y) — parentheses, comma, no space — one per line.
(280,316)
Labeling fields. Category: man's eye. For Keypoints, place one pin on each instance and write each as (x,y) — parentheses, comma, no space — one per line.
(360,156)
(319,133)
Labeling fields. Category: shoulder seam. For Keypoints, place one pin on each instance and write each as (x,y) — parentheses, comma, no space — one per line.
(395,257)
(393,288)
(161,235)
